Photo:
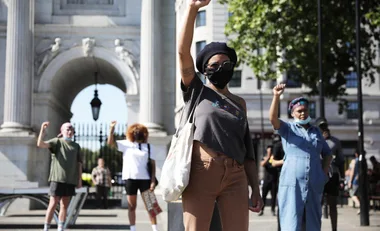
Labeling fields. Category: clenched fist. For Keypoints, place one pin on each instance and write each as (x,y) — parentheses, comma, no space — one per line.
(113,123)
(279,89)
(44,125)
(198,3)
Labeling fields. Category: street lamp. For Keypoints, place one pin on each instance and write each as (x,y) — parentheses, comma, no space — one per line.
(95,102)
(321,90)
(363,180)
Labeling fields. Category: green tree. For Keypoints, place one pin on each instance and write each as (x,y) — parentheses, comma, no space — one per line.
(89,159)
(288,32)
(112,158)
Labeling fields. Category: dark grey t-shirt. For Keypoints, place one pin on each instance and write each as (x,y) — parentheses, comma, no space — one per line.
(220,123)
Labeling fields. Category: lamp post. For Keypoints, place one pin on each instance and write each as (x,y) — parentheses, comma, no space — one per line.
(363,180)
(95,102)
(321,90)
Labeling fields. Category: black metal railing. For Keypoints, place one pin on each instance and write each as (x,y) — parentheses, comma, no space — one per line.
(92,137)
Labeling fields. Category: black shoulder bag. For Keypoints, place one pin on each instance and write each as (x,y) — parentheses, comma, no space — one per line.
(149,164)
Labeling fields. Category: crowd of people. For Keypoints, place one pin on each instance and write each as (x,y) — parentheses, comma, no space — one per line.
(303,167)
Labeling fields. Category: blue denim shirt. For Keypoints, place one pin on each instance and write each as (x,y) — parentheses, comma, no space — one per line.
(302,178)
(303,151)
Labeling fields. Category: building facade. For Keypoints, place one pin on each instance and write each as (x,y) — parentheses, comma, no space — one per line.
(50,50)
(210,26)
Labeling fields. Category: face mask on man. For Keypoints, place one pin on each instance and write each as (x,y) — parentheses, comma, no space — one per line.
(67,138)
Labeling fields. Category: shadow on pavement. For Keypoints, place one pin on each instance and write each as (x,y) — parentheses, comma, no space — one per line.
(26,215)
(99,226)
(80,215)
(82,226)
(97,215)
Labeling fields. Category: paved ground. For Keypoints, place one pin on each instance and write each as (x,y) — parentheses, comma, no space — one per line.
(116,219)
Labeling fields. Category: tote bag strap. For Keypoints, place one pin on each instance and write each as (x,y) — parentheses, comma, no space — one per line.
(190,119)
(148,145)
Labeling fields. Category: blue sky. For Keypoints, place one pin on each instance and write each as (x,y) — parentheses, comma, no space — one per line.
(113,105)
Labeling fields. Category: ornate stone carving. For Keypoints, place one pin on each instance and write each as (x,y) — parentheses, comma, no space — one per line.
(45,57)
(88,45)
(127,56)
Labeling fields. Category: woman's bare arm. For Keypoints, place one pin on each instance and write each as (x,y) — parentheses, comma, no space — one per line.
(186,63)
(111,139)
(273,111)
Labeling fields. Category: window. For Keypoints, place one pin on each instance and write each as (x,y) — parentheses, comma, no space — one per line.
(201,19)
(351,80)
(312,110)
(199,46)
(293,79)
(236,79)
(352,110)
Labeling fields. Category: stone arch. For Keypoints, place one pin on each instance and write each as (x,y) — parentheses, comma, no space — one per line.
(69,73)
(57,63)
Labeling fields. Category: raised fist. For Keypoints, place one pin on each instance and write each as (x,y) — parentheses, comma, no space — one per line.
(113,123)
(44,125)
(279,89)
(199,3)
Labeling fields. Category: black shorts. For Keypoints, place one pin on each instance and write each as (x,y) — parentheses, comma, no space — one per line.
(332,186)
(131,186)
(61,189)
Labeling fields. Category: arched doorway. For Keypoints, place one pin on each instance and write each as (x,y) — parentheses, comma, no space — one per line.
(71,72)
(65,76)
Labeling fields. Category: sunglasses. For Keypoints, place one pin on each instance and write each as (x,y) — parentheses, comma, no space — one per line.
(225,66)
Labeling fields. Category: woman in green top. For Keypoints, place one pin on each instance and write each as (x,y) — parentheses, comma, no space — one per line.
(65,171)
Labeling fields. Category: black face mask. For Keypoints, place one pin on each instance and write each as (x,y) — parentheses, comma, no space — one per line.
(139,136)
(220,78)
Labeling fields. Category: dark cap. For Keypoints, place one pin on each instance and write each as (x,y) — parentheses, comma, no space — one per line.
(212,49)
(322,123)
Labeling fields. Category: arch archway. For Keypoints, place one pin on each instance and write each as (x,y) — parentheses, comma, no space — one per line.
(70,72)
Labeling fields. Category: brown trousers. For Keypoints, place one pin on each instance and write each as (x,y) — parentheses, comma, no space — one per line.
(219,179)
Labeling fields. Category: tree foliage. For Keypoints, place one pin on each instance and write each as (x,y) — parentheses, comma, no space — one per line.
(287,30)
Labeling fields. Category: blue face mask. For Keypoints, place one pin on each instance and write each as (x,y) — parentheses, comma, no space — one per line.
(67,138)
(302,122)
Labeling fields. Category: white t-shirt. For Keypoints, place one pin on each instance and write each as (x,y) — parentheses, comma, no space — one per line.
(134,160)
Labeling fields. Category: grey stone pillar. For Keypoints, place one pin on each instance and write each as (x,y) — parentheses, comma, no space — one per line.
(150,66)
(19,66)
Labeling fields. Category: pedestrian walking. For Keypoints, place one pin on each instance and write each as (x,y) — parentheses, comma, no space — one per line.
(277,161)
(223,160)
(137,155)
(353,182)
(303,174)
(270,181)
(336,172)
(101,177)
(65,171)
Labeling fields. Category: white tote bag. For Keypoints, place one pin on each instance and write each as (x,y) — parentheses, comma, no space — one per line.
(175,172)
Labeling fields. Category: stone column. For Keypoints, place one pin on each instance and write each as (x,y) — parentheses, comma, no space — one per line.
(19,66)
(150,66)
